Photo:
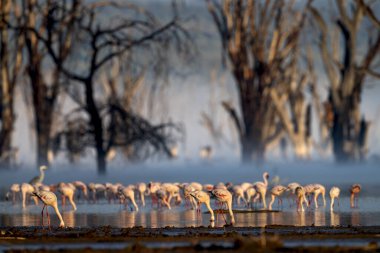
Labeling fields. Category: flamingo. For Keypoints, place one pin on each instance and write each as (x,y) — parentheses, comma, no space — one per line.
(162,198)
(14,190)
(153,188)
(187,189)
(141,188)
(246,186)
(224,196)
(316,190)
(261,188)
(173,191)
(128,193)
(238,193)
(251,192)
(334,193)
(49,199)
(203,197)
(292,188)
(112,191)
(276,191)
(42,187)
(97,188)
(67,190)
(40,178)
(220,185)
(205,152)
(208,187)
(301,197)
(27,189)
(319,189)
(82,187)
(354,192)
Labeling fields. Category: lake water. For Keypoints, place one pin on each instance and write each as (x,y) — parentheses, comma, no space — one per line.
(103,214)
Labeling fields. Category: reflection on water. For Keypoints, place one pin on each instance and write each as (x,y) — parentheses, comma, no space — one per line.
(104,214)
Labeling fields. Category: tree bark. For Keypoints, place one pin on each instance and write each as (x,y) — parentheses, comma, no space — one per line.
(97,125)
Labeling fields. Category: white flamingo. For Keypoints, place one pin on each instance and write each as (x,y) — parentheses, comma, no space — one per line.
(112,191)
(246,186)
(49,199)
(27,190)
(292,188)
(14,190)
(141,188)
(128,193)
(276,191)
(94,188)
(225,197)
(187,189)
(238,193)
(173,191)
(162,198)
(153,187)
(261,188)
(301,198)
(67,191)
(203,197)
(40,178)
(334,194)
(82,188)
(251,192)
(316,190)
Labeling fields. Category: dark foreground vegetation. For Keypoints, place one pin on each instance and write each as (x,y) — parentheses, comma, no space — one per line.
(191,239)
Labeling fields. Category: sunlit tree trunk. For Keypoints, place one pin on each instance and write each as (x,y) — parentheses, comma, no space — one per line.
(10,64)
(346,70)
(257,39)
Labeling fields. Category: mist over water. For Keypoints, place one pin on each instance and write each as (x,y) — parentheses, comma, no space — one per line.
(325,172)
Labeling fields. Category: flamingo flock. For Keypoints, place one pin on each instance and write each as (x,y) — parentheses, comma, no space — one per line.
(167,195)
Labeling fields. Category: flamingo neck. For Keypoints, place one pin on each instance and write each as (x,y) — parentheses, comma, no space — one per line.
(62,223)
(332,203)
(265,180)
(42,175)
(229,204)
(207,203)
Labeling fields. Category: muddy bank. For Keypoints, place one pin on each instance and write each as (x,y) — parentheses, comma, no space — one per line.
(108,232)
(207,239)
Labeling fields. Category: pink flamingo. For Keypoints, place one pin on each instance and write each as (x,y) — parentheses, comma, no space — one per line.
(225,197)
(49,199)
(354,192)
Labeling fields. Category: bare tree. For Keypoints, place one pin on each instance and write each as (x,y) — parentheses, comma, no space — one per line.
(293,108)
(347,69)
(100,42)
(257,37)
(10,65)
(41,23)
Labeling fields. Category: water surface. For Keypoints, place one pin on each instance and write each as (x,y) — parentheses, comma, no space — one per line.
(116,215)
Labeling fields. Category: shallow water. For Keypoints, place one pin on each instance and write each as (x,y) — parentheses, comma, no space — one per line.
(116,215)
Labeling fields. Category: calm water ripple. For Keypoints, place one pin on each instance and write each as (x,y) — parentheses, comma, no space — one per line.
(103,214)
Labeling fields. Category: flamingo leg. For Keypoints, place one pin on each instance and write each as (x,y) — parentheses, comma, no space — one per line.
(42,215)
(222,212)
(48,216)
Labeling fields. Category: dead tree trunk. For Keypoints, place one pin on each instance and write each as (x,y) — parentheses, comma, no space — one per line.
(97,125)
(44,23)
(102,44)
(257,43)
(346,73)
(10,63)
